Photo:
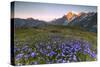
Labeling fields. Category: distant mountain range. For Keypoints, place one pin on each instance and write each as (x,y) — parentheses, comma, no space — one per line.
(87,21)
(29,22)
(84,20)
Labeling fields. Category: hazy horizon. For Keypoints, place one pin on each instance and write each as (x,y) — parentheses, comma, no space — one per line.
(47,11)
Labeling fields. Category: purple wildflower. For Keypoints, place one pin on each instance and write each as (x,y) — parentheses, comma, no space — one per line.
(51,53)
(25,48)
(74,58)
(19,56)
(93,55)
(33,54)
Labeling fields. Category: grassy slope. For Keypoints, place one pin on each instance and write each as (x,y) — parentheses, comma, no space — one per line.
(33,35)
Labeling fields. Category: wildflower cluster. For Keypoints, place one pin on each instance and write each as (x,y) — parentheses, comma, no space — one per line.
(57,50)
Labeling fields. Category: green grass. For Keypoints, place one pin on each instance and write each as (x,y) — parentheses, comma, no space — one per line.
(32,35)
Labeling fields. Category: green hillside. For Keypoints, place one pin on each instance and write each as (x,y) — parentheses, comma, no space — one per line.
(32,36)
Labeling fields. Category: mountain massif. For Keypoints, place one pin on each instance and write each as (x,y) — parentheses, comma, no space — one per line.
(83,20)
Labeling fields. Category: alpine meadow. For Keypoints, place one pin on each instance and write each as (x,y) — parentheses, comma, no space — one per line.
(47,33)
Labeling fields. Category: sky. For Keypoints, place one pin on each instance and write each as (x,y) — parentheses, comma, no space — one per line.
(47,11)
